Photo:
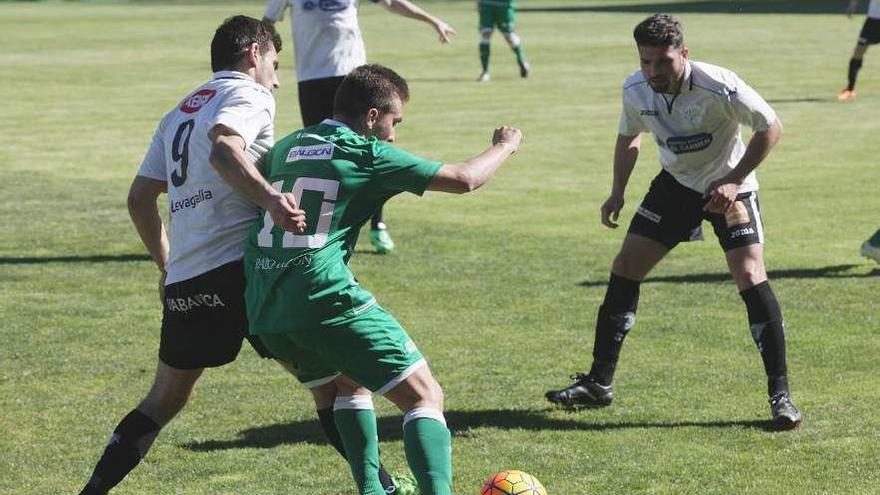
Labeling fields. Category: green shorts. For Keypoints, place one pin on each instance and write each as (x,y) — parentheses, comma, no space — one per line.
(492,16)
(370,348)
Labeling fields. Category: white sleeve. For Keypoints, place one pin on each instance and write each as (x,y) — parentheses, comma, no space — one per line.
(153,166)
(749,109)
(275,10)
(246,111)
(630,122)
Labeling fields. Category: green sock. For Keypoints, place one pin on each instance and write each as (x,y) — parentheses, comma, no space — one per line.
(520,56)
(428,447)
(358,430)
(484,56)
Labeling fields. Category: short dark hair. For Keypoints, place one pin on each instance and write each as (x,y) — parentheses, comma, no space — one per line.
(660,30)
(235,35)
(369,86)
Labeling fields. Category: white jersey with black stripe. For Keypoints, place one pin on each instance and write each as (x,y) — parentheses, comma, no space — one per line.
(209,220)
(698,130)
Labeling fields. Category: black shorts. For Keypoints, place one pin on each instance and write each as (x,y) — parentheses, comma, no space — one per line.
(672,213)
(204,319)
(316,99)
(870,34)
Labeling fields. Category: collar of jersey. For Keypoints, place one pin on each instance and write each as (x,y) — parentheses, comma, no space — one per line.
(334,123)
(232,74)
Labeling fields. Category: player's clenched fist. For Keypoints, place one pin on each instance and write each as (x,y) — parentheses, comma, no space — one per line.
(507,135)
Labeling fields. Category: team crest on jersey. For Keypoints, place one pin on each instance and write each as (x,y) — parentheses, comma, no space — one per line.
(314,152)
(694,115)
(196,101)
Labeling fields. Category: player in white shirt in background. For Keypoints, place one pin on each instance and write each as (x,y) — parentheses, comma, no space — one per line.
(221,130)
(694,111)
(328,44)
(869,35)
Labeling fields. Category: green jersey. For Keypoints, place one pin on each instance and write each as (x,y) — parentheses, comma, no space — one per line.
(339,178)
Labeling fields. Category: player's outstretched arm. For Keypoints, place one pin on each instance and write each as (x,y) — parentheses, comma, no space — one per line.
(626,152)
(722,192)
(413,11)
(469,175)
(232,163)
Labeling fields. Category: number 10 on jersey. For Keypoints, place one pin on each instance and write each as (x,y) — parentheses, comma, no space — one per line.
(328,189)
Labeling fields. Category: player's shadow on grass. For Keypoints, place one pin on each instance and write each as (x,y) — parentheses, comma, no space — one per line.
(461,423)
(98,258)
(833,271)
(708,7)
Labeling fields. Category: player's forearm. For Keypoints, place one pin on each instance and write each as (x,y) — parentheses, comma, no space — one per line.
(759,147)
(626,153)
(469,175)
(150,229)
(409,9)
(234,166)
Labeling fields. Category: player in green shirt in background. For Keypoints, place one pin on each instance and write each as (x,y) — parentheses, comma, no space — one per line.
(305,305)
(501,13)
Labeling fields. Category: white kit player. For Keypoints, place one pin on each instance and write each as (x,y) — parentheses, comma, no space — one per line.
(694,112)
(228,121)
(869,35)
(328,44)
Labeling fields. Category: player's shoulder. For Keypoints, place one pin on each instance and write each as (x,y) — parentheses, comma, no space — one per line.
(635,81)
(714,78)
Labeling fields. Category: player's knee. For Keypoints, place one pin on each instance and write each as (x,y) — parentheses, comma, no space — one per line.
(485,35)
(628,266)
(513,39)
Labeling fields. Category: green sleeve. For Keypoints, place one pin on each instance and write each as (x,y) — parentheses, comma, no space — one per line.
(395,170)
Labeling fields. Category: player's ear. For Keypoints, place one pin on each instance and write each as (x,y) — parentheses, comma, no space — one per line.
(371,118)
(253,53)
(684,52)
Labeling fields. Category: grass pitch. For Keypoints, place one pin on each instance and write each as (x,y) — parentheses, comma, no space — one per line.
(499,288)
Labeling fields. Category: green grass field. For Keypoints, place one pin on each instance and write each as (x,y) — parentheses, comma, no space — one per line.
(499,288)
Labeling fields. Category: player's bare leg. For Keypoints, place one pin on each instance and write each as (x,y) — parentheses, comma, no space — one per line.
(425,437)
(136,432)
(855,64)
(767,328)
(617,315)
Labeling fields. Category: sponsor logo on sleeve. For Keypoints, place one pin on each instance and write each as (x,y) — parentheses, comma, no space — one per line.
(689,144)
(314,152)
(197,100)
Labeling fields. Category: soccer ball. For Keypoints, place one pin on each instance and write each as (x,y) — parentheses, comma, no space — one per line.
(512,482)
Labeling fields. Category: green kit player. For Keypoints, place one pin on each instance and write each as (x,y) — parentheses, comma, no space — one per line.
(500,13)
(305,305)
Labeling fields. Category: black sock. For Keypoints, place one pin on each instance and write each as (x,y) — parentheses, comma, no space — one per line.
(128,445)
(328,426)
(616,317)
(768,331)
(854,65)
(376,219)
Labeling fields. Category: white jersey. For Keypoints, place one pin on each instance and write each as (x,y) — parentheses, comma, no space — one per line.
(326,36)
(698,130)
(209,219)
(874,9)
